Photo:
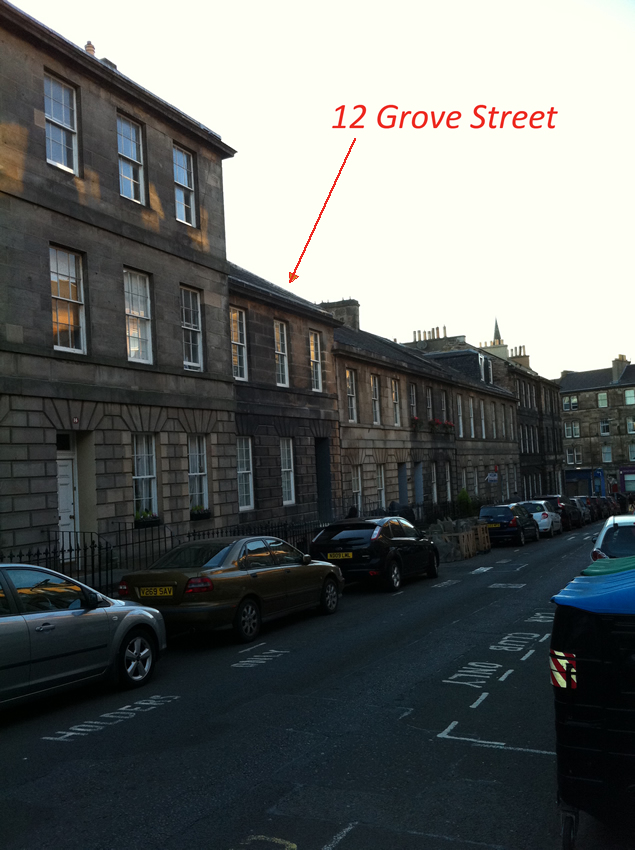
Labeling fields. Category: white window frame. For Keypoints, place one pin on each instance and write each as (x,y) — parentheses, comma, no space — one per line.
(315,359)
(607,454)
(503,426)
(281,353)
(356,487)
(65,128)
(444,406)
(429,407)
(483,432)
(191,328)
(381,485)
(287,471)
(464,478)
(244,474)
(396,412)
(138,314)
(459,414)
(481,366)
(197,471)
(73,280)
(471,410)
(630,424)
(566,402)
(475,481)
(130,155)
(376,399)
(448,482)
(629,397)
(575,428)
(577,455)
(631,451)
(433,481)
(351,395)
(144,475)
(238,332)
(605,428)
(186,189)
(568,430)
(603,397)
(412,397)
(533,397)
(574,402)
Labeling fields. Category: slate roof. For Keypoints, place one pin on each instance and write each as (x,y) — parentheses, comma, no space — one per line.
(247,280)
(596,379)
(422,363)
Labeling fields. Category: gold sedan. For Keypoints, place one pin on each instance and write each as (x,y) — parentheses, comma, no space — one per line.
(234,581)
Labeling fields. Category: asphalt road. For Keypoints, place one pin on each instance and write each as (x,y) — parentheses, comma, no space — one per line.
(420,720)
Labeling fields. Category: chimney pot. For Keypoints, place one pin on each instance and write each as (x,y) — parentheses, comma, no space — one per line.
(89,47)
(438,332)
(419,332)
(444,331)
(414,336)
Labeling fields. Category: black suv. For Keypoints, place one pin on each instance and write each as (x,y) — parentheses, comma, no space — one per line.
(381,548)
(510,523)
(570,513)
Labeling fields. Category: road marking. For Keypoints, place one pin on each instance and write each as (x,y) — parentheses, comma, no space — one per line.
(508,585)
(527,654)
(406,713)
(250,648)
(541,617)
(497,745)
(481,570)
(340,835)
(476,671)
(514,642)
(546,637)
(111,718)
(571,538)
(505,675)
(504,561)
(397,594)
(254,660)
(588,537)
(479,700)
(447,583)
(286,845)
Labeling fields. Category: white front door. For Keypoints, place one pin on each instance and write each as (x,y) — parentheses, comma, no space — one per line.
(66,494)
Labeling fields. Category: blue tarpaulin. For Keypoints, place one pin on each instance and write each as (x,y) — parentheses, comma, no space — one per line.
(600,594)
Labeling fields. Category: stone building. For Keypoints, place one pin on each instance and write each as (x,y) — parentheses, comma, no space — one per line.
(539,433)
(414,430)
(598,420)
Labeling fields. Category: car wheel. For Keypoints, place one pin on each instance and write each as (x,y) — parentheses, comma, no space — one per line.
(330,596)
(537,530)
(551,532)
(247,621)
(433,571)
(137,659)
(393,577)
(521,538)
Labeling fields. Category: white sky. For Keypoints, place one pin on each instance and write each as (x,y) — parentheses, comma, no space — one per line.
(425,227)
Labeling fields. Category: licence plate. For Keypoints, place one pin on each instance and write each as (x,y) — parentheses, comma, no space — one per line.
(339,555)
(493,525)
(156,591)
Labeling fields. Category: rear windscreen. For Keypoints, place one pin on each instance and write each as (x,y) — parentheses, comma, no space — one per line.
(533,507)
(347,536)
(208,554)
(619,541)
(492,512)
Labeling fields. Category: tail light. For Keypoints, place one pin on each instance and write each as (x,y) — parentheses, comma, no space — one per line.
(597,554)
(124,590)
(545,515)
(513,523)
(376,532)
(200,584)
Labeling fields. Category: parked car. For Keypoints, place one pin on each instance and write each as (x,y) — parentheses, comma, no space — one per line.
(510,523)
(569,512)
(602,509)
(56,632)
(585,510)
(547,517)
(235,581)
(616,539)
(384,549)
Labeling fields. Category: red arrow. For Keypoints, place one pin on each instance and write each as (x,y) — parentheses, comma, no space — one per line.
(292,275)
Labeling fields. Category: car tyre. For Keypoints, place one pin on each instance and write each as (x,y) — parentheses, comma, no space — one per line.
(433,571)
(137,659)
(521,538)
(247,621)
(393,575)
(551,532)
(537,532)
(330,597)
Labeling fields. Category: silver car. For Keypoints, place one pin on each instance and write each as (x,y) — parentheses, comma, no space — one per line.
(55,632)
(616,539)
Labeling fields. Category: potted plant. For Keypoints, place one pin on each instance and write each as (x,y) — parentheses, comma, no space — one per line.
(448,426)
(199,512)
(416,424)
(435,424)
(146,519)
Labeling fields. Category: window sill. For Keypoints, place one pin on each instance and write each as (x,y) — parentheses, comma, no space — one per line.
(196,516)
(150,522)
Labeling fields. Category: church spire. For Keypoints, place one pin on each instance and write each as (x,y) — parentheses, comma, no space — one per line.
(497,333)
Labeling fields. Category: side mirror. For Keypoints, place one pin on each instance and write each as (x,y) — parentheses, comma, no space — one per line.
(306,559)
(92,600)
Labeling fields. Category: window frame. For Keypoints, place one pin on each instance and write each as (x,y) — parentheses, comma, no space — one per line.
(605,428)
(381,485)
(356,487)
(183,187)
(248,472)
(429,405)
(145,321)
(603,397)
(629,394)
(288,471)
(375,394)
(125,158)
(482,410)
(433,483)
(238,347)
(607,454)
(49,120)
(200,475)
(471,414)
(80,303)
(459,414)
(315,361)
(448,481)
(281,352)
(412,399)
(396,412)
(351,395)
(191,329)
(137,475)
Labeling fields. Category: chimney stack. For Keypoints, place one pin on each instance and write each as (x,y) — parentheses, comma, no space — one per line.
(89,47)
(618,367)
